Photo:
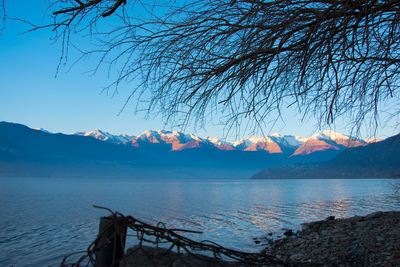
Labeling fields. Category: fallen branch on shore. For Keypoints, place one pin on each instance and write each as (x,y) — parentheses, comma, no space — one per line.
(371,240)
(177,249)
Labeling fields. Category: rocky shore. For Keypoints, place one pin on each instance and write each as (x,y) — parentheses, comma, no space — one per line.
(371,240)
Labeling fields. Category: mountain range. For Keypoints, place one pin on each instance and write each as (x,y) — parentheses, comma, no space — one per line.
(275,143)
(36,152)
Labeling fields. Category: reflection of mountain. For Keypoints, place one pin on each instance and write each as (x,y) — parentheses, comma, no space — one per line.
(376,160)
(28,152)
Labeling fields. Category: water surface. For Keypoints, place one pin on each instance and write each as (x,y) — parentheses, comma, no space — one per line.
(44,219)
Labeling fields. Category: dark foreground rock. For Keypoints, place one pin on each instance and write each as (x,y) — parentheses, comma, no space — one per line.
(372,240)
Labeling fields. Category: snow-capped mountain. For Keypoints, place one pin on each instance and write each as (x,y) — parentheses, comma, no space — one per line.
(377,160)
(177,140)
(341,139)
(220,144)
(288,140)
(329,140)
(273,144)
(257,143)
(104,136)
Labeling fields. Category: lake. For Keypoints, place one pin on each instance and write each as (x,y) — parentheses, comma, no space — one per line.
(44,219)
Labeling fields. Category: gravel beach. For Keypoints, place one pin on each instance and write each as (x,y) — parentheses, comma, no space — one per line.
(371,240)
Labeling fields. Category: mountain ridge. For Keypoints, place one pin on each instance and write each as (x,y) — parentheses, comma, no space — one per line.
(376,160)
(29,152)
(25,152)
(275,143)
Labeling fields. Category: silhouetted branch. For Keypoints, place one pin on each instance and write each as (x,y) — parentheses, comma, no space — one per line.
(2,16)
(247,58)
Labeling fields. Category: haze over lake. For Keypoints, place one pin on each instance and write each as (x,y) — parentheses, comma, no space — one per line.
(44,219)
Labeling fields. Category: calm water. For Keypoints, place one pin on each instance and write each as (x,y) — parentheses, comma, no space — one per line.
(44,219)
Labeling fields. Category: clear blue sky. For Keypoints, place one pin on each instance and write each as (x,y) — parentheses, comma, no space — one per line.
(31,94)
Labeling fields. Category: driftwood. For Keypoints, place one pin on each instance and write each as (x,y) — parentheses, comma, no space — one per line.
(175,246)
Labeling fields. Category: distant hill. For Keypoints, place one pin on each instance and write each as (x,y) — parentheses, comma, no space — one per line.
(376,160)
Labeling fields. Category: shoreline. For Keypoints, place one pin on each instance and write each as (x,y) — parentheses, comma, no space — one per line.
(370,240)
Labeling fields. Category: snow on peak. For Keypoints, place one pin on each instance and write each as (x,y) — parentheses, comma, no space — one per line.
(258,143)
(169,137)
(259,139)
(274,139)
(339,138)
(41,129)
(274,143)
(195,137)
(216,141)
(334,135)
(151,136)
(242,143)
(293,141)
(105,136)
(374,140)
(276,135)
(99,134)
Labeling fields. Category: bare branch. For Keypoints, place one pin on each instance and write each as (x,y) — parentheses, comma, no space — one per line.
(248,58)
(2,16)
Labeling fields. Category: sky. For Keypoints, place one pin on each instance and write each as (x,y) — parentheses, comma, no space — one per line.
(73,100)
